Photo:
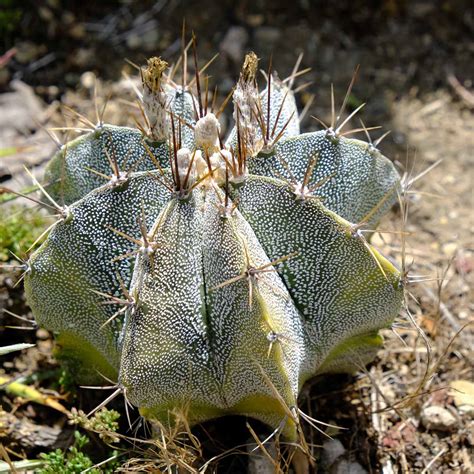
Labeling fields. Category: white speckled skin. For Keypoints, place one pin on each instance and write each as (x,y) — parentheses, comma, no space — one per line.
(226,308)
(70,173)
(359,178)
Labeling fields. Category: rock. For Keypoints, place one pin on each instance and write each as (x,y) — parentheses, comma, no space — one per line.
(83,58)
(27,51)
(463,393)
(27,435)
(20,110)
(234,43)
(258,462)
(438,418)
(146,37)
(332,450)
(151,37)
(463,263)
(88,80)
(333,461)
(347,467)
(20,113)
(134,41)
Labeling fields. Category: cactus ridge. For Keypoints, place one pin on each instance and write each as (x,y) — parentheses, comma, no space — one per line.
(216,278)
(349,178)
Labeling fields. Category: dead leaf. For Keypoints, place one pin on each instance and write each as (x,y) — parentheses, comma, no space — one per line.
(31,394)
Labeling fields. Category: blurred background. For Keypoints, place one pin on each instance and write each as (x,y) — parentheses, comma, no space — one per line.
(416,77)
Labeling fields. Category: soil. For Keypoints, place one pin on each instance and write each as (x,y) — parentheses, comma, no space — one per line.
(416,76)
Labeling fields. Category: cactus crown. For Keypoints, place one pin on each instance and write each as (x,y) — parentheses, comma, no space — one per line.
(216,276)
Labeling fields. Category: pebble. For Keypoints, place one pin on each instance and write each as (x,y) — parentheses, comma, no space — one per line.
(234,43)
(347,467)
(332,450)
(88,79)
(334,462)
(437,418)
(462,392)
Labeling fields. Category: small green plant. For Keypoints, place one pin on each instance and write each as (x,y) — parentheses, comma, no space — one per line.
(19,229)
(213,277)
(10,16)
(70,462)
(104,423)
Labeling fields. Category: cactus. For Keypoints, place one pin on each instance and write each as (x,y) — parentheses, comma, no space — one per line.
(215,278)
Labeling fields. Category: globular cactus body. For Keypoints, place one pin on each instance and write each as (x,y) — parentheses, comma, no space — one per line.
(216,279)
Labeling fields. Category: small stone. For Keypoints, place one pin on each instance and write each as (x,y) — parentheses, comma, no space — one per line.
(68,18)
(463,393)
(255,20)
(347,467)
(134,41)
(150,38)
(88,80)
(83,57)
(77,31)
(450,248)
(20,109)
(42,334)
(234,43)
(332,450)
(437,418)
(27,51)
(464,263)
(258,463)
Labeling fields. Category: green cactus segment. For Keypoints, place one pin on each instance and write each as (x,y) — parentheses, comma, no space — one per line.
(358,178)
(335,281)
(72,172)
(283,109)
(78,258)
(76,169)
(58,292)
(352,354)
(199,335)
(165,355)
(183,105)
(83,360)
(244,314)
